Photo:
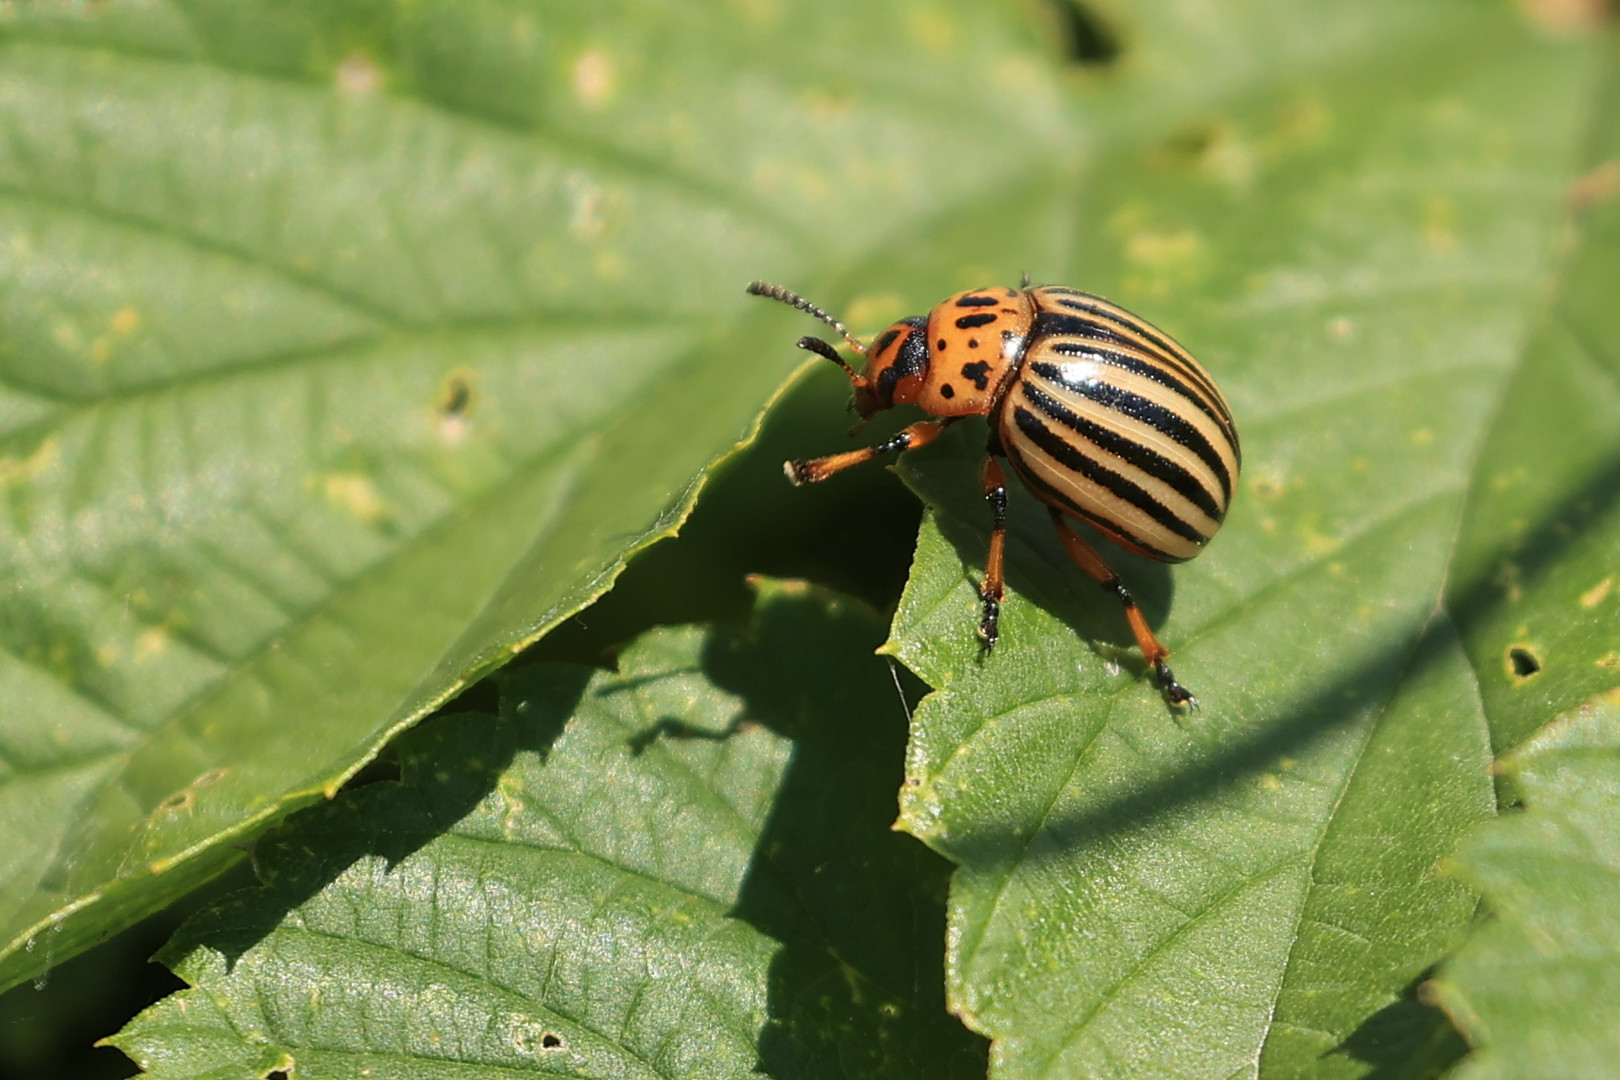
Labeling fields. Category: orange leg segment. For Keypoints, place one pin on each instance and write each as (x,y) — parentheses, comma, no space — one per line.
(1090,562)
(814,470)
(994,484)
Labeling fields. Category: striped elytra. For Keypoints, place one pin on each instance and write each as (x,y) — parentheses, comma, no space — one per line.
(1111,421)
(1104,418)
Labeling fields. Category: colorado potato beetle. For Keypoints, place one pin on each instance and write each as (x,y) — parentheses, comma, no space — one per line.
(1104,418)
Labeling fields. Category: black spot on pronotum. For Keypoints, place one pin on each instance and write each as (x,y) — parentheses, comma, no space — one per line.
(548,1041)
(978,372)
(977,300)
(1522,663)
(940,344)
(973,343)
(1081,35)
(947,391)
(968,322)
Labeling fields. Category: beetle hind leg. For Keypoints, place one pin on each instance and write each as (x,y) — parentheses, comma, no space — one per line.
(994,484)
(1156,654)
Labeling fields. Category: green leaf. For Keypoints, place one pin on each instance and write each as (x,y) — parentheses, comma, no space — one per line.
(347,347)
(1535,579)
(1537,989)
(681,869)
(1349,212)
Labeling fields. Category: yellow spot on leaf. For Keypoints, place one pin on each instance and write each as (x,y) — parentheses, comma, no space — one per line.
(151,642)
(1503,481)
(356,494)
(595,78)
(1422,437)
(1594,188)
(126,320)
(761,13)
(932,29)
(358,74)
(1164,249)
(1594,596)
(1268,485)
(1565,17)
(1315,541)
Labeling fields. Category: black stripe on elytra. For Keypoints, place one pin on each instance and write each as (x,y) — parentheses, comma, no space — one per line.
(1059,373)
(1138,408)
(1150,461)
(1054,497)
(1173,354)
(1064,453)
(968,322)
(978,300)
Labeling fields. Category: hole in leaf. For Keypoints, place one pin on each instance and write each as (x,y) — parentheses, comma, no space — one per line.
(453,402)
(548,1041)
(1083,37)
(1522,663)
(455,394)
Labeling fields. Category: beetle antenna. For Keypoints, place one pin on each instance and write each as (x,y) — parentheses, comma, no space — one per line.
(793,299)
(822,348)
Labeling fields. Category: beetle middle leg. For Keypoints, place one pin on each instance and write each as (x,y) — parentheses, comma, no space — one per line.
(814,470)
(1089,561)
(994,484)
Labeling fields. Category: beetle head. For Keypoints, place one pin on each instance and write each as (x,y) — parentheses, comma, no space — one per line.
(896,362)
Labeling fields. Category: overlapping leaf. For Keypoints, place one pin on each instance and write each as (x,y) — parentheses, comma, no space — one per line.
(1537,989)
(681,869)
(346,347)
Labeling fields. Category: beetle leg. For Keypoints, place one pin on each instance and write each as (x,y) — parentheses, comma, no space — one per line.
(814,470)
(1090,562)
(995,493)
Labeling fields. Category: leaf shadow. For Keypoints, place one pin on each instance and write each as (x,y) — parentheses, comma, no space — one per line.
(859,908)
(1406,1039)
(671,727)
(447,766)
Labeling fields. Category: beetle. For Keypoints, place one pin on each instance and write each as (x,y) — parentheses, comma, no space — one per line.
(1104,417)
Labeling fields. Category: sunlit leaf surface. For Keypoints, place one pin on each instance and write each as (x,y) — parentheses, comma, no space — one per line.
(346,347)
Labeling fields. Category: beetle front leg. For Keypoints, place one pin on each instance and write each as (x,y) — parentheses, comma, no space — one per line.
(1099,571)
(994,484)
(815,470)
